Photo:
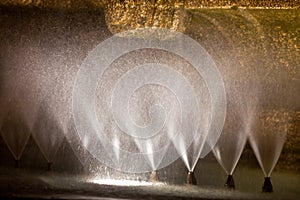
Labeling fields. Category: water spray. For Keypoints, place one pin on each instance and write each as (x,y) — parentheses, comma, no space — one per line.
(188,112)
(191,179)
(230,182)
(267,187)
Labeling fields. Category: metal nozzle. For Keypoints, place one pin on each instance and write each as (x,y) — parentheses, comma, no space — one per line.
(49,166)
(230,182)
(153,177)
(267,187)
(191,179)
(17,164)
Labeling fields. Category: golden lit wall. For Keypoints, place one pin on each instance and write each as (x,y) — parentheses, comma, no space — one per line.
(186,3)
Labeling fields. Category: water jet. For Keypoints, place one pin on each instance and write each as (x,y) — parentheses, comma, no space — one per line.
(41,51)
(268,140)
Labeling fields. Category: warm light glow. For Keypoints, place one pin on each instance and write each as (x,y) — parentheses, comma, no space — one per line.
(123,182)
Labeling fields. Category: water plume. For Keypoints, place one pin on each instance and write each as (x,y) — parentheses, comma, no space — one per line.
(15,133)
(239,120)
(268,138)
(270,126)
(48,134)
(150,102)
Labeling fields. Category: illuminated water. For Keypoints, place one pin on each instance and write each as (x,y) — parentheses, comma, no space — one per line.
(40,55)
(32,184)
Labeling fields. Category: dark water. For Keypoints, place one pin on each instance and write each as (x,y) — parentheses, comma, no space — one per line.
(25,183)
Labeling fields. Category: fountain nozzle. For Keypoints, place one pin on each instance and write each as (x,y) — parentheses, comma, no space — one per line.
(49,166)
(191,179)
(17,164)
(153,177)
(267,187)
(230,182)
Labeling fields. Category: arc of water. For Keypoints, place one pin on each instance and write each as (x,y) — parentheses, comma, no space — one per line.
(48,134)
(163,75)
(237,127)
(231,143)
(16,139)
(268,138)
(94,65)
(200,150)
(222,150)
(15,132)
(17,116)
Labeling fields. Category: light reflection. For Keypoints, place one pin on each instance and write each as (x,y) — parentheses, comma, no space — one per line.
(130,15)
(123,182)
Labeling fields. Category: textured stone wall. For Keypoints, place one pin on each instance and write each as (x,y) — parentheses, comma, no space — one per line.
(75,4)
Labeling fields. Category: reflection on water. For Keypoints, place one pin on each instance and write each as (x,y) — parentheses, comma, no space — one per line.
(123,182)
(32,184)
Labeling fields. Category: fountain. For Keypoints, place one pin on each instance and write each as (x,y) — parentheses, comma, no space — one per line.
(168,127)
(15,135)
(239,119)
(118,100)
(271,124)
(230,146)
(16,124)
(48,142)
